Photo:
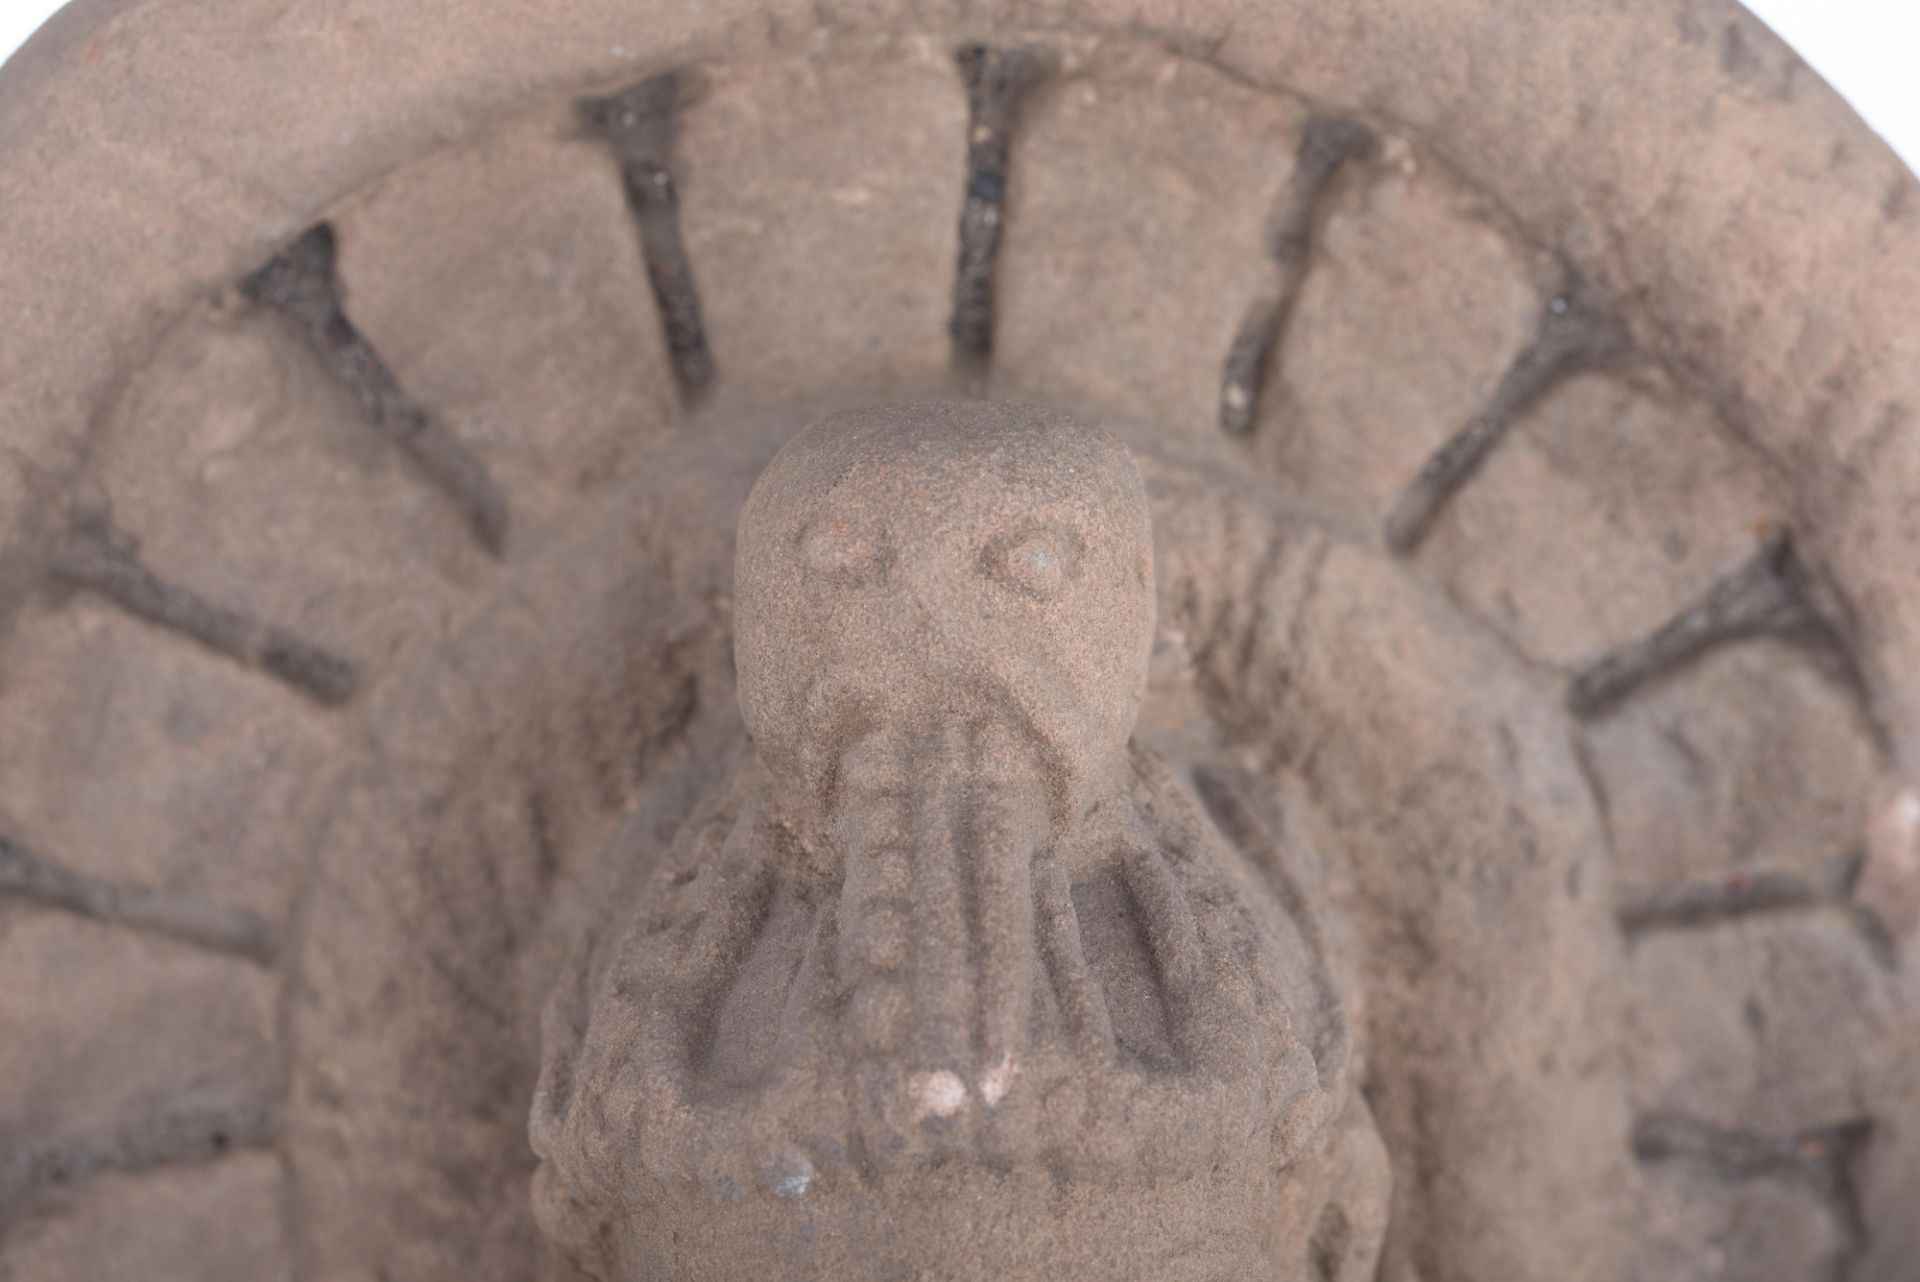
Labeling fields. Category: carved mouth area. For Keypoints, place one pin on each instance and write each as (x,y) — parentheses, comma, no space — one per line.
(1022,727)
(936,830)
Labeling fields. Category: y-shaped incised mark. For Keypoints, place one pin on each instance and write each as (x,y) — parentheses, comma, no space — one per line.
(996,80)
(1326,144)
(639,123)
(92,558)
(300,283)
(1575,334)
(1772,595)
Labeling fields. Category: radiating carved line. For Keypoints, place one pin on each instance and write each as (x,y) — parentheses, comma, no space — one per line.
(1819,1158)
(1574,335)
(1695,904)
(996,80)
(639,123)
(300,283)
(178,1133)
(1326,144)
(91,559)
(26,875)
(1698,905)
(1768,596)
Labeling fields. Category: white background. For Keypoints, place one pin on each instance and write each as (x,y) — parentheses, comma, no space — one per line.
(1867,49)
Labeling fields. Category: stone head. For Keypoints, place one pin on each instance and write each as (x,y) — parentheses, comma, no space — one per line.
(902,567)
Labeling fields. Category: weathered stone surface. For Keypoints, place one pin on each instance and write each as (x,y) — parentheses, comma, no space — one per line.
(1415,300)
(199,456)
(946,941)
(140,1019)
(510,258)
(1748,761)
(1137,209)
(1651,504)
(819,200)
(1689,912)
(223,1220)
(136,757)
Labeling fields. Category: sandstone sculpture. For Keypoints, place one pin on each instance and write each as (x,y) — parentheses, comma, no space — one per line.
(1523,396)
(950,981)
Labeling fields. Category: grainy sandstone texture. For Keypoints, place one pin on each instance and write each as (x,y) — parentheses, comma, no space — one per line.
(1609,767)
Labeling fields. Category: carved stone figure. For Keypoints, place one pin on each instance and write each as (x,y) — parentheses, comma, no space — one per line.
(952,979)
(1499,859)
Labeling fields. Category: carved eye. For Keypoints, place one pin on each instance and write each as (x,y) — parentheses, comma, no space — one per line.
(1035,562)
(843,553)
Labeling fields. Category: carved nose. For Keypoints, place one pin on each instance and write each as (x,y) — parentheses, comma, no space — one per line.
(922,622)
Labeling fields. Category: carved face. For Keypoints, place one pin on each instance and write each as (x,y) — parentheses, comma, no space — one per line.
(889,1050)
(903,567)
